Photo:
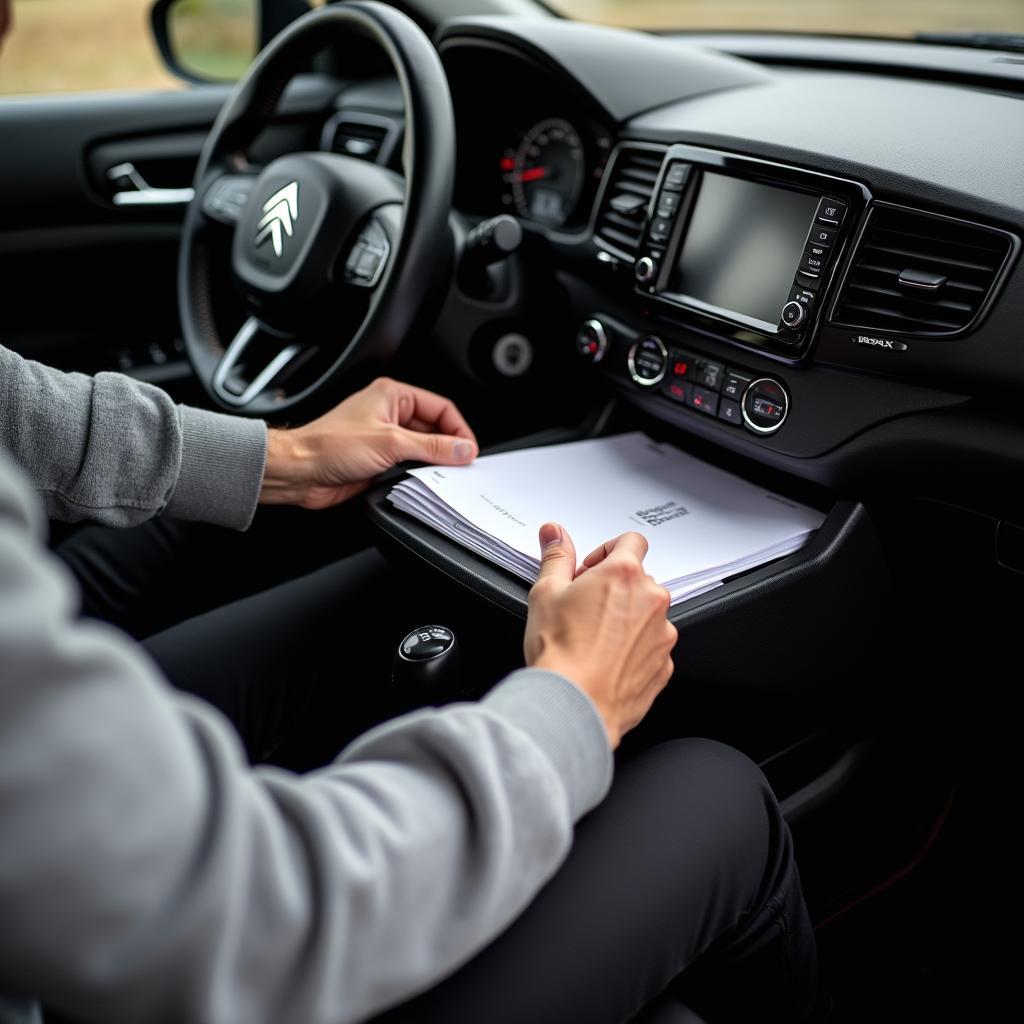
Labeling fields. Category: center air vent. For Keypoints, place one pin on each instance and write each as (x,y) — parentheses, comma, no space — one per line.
(364,136)
(626,196)
(921,274)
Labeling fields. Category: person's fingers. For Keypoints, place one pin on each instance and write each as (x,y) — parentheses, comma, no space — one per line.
(427,412)
(558,555)
(436,449)
(630,544)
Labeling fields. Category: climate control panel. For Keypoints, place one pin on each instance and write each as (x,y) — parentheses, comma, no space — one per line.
(730,393)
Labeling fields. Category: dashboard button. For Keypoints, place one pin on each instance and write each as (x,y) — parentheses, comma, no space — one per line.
(730,411)
(815,264)
(660,228)
(765,406)
(806,280)
(678,390)
(682,365)
(821,251)
(703,400)
(734,385)
(802,295)
(709,374)
(830,211)
(668,203)
(676,177)
(821,234)
(647,361)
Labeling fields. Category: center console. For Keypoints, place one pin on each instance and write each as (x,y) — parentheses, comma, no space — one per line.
(736,250)
(745,249)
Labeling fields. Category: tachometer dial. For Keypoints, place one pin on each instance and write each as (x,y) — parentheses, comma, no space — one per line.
(548,172)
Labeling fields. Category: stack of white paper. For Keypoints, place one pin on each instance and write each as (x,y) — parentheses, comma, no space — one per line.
(702,523)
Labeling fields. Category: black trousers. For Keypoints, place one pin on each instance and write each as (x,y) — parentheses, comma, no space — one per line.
(681,885)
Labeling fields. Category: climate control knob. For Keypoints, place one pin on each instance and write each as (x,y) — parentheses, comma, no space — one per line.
(648,361)
(645,269)
(765,405)
(592,340)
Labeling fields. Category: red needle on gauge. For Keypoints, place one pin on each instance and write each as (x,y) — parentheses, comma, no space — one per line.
(533,174)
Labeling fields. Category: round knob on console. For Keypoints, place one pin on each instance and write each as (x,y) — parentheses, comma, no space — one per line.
(793,313)
(592,340)
(645,269)
(765,405)
(648,361)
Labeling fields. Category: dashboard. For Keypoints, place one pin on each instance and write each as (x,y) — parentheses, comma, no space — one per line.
(792,263)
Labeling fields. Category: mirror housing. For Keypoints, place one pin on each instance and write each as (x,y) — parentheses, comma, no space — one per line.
(204,41)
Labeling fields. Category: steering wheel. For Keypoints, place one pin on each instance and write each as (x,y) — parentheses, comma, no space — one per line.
(334,256)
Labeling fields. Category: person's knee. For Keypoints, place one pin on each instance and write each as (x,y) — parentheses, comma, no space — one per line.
(723,789)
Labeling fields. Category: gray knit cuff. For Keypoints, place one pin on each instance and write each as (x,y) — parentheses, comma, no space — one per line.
(563,722)
(222,461)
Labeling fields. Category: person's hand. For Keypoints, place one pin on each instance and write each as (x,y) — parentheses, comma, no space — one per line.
(336,456)
(604,628)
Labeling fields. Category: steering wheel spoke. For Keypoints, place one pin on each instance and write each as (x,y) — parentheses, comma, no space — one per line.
(235,380)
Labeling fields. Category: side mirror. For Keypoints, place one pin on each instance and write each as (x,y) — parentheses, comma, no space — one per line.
(207,40)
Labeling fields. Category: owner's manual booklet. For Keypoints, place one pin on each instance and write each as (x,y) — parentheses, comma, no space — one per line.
(702,523)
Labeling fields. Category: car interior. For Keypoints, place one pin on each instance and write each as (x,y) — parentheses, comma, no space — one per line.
(795,256)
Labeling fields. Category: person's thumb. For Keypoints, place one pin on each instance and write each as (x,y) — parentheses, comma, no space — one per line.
(558,554)
(437,449)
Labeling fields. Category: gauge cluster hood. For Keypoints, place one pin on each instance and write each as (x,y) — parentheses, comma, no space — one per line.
(605,61)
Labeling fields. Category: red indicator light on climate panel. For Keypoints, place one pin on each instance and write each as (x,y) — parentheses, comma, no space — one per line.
(676,390)
(698,400)
(681,369)
(508,163)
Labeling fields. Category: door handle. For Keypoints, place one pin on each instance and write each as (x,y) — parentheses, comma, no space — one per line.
(134,190)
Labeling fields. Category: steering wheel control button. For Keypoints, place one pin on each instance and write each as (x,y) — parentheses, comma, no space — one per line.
(676,178)
(645,269)
(730,411)
(592,340)
(793,314)
(734,385)
(765,406)
(512,355)
(648,361)
(366,261)
(830,211)
(703,400)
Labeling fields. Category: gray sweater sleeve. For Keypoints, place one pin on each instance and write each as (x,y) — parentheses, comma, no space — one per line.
(117,451)
(147,874)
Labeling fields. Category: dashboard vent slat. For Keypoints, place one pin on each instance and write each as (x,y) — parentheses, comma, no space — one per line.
(632,176)
(363,136)
(955,265)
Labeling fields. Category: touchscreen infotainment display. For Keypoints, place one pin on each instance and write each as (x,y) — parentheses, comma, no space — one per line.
(741,247)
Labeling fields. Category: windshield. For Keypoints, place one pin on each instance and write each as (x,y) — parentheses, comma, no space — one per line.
(845,17)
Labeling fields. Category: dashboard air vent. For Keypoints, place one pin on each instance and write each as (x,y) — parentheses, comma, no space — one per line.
(363,136)
(919,273)
(625,198)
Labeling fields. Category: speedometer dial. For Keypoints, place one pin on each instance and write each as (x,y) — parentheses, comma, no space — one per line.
(548,172)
